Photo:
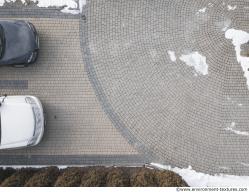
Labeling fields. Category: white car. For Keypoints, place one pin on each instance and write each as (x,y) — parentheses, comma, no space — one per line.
(22,121)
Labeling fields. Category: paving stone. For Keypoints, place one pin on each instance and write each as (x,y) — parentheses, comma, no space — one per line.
(76,124)
(129,85)
(168,111)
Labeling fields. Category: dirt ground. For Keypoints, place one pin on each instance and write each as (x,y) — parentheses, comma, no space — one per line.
(90,177)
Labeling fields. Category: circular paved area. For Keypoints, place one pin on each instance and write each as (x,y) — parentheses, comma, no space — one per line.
(139,56)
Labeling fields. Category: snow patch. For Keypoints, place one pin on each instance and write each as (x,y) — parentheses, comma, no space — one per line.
(233,124)
(210,4)
(82,3)
(224,168)
(244,164)
(69,6)
(239,38)
(231,8)
(197,61)
(33,166)
(203,10)
(227,24)
(231,129)
(172,56)
(197,179)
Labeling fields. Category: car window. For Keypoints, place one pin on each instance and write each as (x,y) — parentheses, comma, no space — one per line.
(1,41)
(1,46)
(0,129)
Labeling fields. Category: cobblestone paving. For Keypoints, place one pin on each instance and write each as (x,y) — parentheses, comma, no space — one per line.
(164,108)
(78,131)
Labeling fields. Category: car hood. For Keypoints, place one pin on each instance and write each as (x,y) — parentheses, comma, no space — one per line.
(17,123)
(19,39)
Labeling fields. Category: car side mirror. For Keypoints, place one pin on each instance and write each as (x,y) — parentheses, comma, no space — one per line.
(1,102)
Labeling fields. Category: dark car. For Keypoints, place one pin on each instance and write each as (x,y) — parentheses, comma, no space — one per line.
(19,43)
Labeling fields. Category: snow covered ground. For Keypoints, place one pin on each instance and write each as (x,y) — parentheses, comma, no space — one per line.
(69,6)
(194,59)
(232,129)
(239,38)
(196,179)
(197,61)
(172,56)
